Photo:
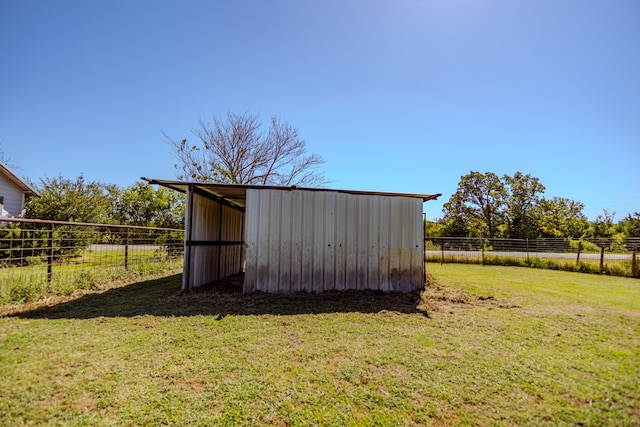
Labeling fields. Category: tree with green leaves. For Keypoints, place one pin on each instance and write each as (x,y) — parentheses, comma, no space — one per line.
(239,149)
(63,199)
(630,225)
(604,225)
(485,205)
(524,193)
(142,204)
(78,200)
(478,205)
(560,217)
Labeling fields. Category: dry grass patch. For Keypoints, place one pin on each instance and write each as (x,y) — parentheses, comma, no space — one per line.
(439,298)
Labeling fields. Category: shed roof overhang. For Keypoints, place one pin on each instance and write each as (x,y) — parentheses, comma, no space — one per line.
(236,194)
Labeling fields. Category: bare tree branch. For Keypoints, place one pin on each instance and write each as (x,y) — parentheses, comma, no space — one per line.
(235,150)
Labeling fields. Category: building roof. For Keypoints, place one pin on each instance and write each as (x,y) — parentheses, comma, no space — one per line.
(28,189)
(237,193)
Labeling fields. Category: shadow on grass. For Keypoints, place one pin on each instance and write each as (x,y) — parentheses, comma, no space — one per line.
(162,297)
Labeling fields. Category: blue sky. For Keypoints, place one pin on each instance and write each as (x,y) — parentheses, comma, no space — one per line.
(403,95)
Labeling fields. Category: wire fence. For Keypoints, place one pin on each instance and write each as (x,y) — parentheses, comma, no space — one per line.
(40,258)
(608,256)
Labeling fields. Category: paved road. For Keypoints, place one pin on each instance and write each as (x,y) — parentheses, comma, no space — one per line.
(121,247)
(513,254)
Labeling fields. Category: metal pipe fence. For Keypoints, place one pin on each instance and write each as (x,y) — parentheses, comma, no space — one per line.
(40,258)
(609,256)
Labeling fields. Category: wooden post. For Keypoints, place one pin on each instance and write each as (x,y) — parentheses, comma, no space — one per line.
(483,252)
(601,258)
(10,245)
(22,252)
(578,256)
(441,251)
(634,267)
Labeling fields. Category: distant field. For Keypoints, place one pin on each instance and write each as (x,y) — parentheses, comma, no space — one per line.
(480,346)
(613,265)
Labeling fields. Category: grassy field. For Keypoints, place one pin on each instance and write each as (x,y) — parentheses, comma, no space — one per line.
(611,267)
(89,270)
(480,346)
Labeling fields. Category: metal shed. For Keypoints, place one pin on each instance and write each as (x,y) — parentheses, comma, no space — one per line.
(289,239)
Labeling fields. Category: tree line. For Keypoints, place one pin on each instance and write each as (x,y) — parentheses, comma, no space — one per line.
(79,200)
(486,205)
(240,149)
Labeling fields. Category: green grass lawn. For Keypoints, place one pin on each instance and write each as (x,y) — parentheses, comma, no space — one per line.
(481,346)
(93,270)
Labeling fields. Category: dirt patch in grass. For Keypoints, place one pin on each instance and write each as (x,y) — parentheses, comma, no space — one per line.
(226,298)
(438,298)
(231,302)
(162,297)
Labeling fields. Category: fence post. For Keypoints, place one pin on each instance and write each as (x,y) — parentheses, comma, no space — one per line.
(441,251)
(483,252)
(50,257)
(22,253)
(578,256)
(602,258)
(527,251)
(126,250)
(634,267)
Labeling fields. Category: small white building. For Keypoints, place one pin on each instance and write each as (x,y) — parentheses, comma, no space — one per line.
(289,239)
(14,192)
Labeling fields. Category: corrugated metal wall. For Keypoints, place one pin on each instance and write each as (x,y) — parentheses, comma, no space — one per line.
(213,246)
(317,241)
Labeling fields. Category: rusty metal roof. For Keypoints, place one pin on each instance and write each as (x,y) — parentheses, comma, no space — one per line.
(237,193)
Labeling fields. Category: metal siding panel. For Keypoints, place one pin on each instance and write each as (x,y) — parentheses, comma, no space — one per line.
(317,278)
(233,253)
(186,256)
(351,264)
(363,242)
(263,279)
(273,236)
(251,233)
(295,262)
(316,241)
(329,273)
(306,256)
(407,243)
(383,264)
(340,232)
(204,227)
(373,247)
(284,260)
(395,243)
(306,261)
(417,269)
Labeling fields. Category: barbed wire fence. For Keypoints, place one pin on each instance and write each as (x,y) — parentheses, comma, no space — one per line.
(601,255)
(41,258)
